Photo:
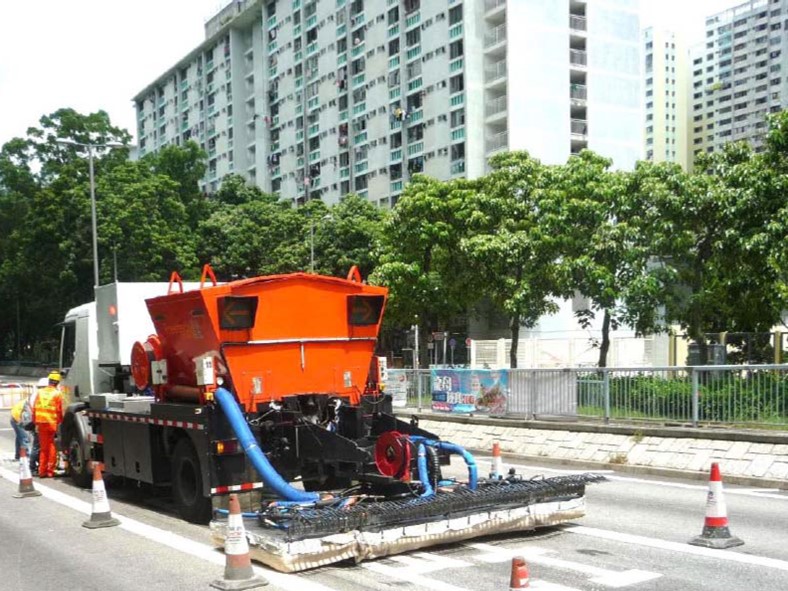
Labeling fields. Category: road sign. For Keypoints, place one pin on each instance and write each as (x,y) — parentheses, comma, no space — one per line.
(452,342)
(437,336)
(468,342)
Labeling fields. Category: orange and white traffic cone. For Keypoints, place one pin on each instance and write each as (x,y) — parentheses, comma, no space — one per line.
(496,469)
(26,488)
(238,573)
(100,515)
(520,578)
(715,529)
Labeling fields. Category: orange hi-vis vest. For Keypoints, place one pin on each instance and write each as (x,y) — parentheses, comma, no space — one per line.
(49,407)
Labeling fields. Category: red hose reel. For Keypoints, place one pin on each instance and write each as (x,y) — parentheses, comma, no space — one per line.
(393,453)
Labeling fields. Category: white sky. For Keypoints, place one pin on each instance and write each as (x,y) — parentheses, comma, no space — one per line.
(97,54)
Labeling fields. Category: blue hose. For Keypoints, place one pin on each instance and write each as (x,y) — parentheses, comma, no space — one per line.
(271,478)
(473,477)
(424,474)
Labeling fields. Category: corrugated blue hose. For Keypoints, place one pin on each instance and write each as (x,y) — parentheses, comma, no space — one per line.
(271,478)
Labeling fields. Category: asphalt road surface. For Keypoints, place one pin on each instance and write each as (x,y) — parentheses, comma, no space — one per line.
(634,537)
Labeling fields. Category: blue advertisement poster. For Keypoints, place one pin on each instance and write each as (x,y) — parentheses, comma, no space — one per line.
(470,390)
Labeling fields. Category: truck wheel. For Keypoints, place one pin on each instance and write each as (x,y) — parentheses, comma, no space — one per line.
(78,467)
(187,484)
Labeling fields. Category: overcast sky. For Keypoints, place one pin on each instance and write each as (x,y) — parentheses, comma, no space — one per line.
(97,54)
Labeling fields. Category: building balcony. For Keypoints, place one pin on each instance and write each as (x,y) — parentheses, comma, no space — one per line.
(495,107)
(497,142)
(495,73)
(578,59)
(578,128)
(495,38)
(458,167)
(578,93)
(577,24)
(494,5)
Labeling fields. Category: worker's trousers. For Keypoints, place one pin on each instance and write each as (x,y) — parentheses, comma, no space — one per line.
(48,456)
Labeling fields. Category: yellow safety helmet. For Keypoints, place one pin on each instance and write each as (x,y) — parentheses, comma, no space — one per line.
(54,376)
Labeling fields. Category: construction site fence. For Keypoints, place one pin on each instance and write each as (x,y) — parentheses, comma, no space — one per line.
(725,395)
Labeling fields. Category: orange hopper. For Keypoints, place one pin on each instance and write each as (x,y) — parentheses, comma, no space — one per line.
(269,337)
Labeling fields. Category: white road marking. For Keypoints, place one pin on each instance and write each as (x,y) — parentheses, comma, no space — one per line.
(769,493)
(172,540)
(601,576)
(730,556)
(407,575)
(424,562)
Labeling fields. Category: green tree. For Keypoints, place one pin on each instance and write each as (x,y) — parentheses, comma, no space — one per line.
(46,243)
(508,250)
(707,231)
(349,234)
(421,256)
(603,256)
(252,233)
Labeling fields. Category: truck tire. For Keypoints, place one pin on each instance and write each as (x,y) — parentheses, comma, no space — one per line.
(78,467)
(187,484)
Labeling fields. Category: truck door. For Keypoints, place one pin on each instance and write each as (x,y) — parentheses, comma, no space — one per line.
(75,359)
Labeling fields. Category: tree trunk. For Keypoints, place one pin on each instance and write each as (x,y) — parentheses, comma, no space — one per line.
(515,328)
(605,346)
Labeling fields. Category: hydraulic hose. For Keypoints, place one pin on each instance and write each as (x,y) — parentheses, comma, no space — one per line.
(424,473)
(470,461)
(271,478)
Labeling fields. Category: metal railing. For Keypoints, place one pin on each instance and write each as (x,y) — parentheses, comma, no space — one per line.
(496,71)
(493,4)
(725,395)
(495,106)
(496,36)
(498,142)
(578,127)
(578,57)
(577,23)
(578,92)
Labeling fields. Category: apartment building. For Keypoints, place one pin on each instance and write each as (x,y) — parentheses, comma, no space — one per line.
(666,74)
(738,75)
(316,99)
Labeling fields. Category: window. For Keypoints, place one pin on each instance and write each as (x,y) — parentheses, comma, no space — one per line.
(455,15)
(456,84)
(457,118)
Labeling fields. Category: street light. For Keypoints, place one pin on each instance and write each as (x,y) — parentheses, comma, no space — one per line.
(312,241)
(91,147)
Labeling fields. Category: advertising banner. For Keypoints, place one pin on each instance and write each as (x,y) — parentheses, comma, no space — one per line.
(397,385)
(478,391)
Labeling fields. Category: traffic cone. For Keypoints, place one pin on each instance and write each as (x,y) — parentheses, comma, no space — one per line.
(715,529)
(496,470)
(100,516)
(520,578)
(26,488)
(238,573)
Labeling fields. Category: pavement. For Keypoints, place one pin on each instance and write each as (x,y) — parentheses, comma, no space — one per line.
(746,457)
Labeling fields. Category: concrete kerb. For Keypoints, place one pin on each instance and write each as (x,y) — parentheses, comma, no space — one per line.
(652,436)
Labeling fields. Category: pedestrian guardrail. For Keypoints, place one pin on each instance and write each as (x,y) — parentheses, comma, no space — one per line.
(746,395)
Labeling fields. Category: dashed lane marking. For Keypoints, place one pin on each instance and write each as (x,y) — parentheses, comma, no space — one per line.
(600,576)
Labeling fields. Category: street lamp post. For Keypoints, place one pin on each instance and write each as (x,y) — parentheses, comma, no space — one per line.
(91,147)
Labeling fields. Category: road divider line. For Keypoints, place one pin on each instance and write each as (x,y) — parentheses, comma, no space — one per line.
(176,542)
(729,556)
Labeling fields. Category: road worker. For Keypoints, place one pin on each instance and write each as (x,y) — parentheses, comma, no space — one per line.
(36,447)
(47,415)
(21,416)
